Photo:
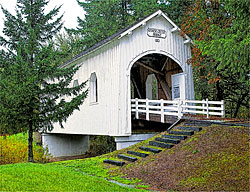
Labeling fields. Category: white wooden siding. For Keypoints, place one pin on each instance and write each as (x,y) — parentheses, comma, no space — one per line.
(112,63)
(138,44)
(100,118)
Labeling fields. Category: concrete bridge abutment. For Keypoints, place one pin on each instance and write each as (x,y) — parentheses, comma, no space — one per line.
(65,144)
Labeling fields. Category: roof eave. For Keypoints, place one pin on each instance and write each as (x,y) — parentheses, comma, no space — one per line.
(77,57)
(144,21)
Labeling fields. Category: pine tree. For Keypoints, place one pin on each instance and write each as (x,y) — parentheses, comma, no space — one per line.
(32,86)
(102,19)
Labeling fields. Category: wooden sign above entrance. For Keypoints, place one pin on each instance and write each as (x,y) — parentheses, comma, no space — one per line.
(158,33)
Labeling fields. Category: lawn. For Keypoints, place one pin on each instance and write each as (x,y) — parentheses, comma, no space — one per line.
(78,175)
(52,177)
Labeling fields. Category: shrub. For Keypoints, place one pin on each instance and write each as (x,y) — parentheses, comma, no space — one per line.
(101,145)
(14,149)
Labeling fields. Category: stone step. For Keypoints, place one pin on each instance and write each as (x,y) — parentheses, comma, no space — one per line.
(165,140)
(127,158)
(137,154)
(181,137)
(188,133)
(150,149)
(197,124)
(190,128)
(159,144)
(112,162)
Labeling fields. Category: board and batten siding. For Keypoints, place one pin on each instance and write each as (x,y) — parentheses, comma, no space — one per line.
(99,118)
(139,44)
(112,63)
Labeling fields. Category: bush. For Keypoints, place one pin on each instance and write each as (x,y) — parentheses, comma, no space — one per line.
(101,145)
(14,149)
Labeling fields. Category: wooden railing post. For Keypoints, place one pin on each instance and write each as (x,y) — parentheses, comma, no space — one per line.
(207,108)
(223,108)
(147,109)
(162,111)
(179,109)
(136,109)
(203,105)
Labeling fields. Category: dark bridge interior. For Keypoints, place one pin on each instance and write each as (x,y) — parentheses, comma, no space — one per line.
(162,67)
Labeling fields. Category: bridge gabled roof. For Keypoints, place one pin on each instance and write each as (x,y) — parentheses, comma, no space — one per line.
(125,32)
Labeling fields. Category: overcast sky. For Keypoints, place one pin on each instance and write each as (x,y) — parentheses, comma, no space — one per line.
(70,8)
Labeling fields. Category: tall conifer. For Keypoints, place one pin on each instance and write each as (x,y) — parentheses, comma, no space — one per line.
(32,85)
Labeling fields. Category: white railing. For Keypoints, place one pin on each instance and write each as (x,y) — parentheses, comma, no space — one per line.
(176,107)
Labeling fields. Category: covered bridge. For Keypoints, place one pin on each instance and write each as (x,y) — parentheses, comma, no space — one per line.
(145,60)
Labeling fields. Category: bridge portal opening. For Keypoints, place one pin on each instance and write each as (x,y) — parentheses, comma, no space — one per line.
(151,77)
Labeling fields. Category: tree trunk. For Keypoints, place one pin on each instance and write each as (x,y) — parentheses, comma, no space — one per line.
(219,94)
(239,103)
(30,145)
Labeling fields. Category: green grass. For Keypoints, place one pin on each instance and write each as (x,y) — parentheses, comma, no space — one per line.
(95,166)
(54,177)
(76,175)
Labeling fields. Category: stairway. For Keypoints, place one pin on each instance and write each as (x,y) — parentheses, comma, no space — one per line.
(167,141)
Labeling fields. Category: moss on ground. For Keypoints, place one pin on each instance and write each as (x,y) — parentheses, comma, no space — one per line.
(216,158)
(225,169)
(220,171)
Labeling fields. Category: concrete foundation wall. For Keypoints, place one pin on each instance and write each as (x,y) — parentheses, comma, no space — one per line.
(123,142)
(65,144)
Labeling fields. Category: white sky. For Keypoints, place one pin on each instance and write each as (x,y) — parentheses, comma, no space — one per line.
(70,8)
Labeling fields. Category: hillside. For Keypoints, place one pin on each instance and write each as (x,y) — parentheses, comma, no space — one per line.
(216,158)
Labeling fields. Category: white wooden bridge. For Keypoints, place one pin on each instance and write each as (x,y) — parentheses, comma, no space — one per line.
(176,107)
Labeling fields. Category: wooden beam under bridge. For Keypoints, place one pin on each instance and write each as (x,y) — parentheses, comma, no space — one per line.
(136,87)
(161,79)
(149,68)
(164,85)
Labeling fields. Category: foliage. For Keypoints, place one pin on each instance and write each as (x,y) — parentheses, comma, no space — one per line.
(101,145)
(34,177)
(14,149)
(67,45)
(221,52)
(32,85)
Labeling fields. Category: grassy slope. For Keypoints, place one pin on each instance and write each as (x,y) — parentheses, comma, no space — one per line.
(216,158)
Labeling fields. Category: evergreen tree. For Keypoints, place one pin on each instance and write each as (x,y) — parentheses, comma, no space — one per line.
(229,46)
(221,55)
(66,45)
(32,86)
(102,19)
